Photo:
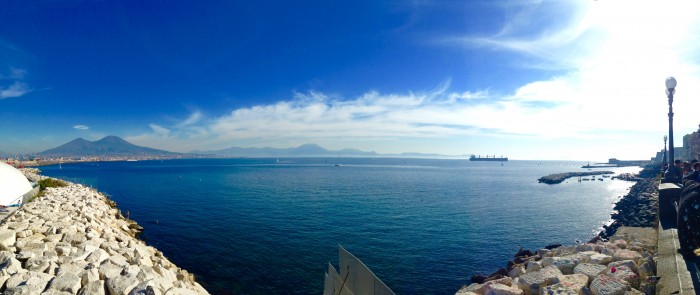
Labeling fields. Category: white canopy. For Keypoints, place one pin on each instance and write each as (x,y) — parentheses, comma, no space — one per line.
(13,185)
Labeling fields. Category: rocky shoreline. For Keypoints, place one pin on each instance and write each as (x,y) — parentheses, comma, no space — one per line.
(72,240)
(619,259)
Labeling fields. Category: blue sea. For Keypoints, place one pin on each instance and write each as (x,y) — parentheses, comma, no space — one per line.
(424,226)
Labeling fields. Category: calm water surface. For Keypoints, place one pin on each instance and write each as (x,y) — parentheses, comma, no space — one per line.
(268,226)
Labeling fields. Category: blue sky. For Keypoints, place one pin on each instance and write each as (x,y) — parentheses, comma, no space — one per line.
(562,79)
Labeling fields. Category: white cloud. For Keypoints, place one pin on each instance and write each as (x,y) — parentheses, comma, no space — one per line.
(15,89)
(192,119)
(159,130)
(615,56)
(81,127)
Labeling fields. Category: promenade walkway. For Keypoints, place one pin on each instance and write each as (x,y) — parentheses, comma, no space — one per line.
(676,275)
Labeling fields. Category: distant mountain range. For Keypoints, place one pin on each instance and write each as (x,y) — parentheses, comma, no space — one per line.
(113,146)
(110,146)
(306,150)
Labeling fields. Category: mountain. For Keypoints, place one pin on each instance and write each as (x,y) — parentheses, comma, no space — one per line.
(306,150)
(108,146)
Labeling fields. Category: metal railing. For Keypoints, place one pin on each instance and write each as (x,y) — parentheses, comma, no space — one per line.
(354,278)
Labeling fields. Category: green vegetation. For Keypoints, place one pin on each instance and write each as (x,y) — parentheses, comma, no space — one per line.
(51,182)
(47,182)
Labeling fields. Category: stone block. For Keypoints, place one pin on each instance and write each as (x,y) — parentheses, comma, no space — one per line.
(7,237)
(8,264)
(481,288)
(38,264)
(66,282)
(624,254)
(533,282)
(497,289)
(575,282)
(624,273)
(93,288)
(516,271)
(591,271)
(121,285)
(108,270)
(25,233)
(150,287)
(601,259)
(628,263)
(180,291)
(533,266)
(606,285)
(564,264)
(89,275)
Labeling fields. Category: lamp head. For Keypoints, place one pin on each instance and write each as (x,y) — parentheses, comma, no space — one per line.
(671,83)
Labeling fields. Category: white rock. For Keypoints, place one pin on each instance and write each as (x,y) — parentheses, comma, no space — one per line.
(7,237)
(590,270)
(624,254)
(143,286)
(533,266)
(121,285)
(605,285)
(180,291)
(67,282)
(601,259)
(624,273)
(575,282)
(495,289)
(93,288)
(516,271)
(564,264)
(8,264)
(532,282)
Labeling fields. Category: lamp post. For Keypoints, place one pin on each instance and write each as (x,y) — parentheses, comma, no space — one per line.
(670,90)
(663,161)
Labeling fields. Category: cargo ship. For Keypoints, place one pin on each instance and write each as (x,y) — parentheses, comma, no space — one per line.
(488,158)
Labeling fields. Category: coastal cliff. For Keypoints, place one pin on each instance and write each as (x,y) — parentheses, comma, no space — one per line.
(71,241)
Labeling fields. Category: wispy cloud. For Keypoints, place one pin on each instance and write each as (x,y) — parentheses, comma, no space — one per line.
(162,131)
(12,78)
(192,119)
(16,89)
(81,127)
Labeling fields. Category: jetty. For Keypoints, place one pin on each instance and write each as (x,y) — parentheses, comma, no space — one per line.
(73,240)
(559,177)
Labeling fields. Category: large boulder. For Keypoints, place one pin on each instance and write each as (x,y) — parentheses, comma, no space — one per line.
(606,285)
(590,270)
(533,282)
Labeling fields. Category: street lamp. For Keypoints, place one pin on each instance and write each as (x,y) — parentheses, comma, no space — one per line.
(663,161)
(670,90)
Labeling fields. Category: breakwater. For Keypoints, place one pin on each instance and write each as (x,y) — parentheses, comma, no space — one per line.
(620,258)
(624,263)
(72,240)
(559,177)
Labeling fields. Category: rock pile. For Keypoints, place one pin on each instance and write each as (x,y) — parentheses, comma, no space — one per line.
(70,241)
(623,265)
(638,208)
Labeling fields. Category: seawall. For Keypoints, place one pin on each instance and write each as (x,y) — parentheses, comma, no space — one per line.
(72,240)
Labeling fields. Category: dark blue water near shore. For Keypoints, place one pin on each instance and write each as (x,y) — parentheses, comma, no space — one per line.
(262,226)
